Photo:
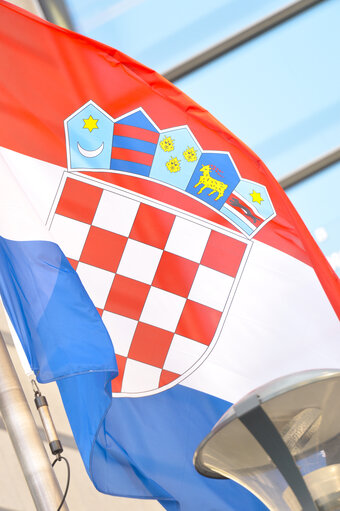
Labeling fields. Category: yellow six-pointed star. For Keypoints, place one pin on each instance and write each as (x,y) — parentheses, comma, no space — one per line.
(90,123)
(256,196)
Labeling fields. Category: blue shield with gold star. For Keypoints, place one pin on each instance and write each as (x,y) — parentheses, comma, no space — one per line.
(89,132)
(249,207)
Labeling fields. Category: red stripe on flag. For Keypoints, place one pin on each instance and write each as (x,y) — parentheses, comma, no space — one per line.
(129,155)
(123,130)
(35,127)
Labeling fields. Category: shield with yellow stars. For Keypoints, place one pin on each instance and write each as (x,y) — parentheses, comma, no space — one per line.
(176,157)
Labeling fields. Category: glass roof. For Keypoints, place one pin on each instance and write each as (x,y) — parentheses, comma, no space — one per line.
(160,35)
(279,93)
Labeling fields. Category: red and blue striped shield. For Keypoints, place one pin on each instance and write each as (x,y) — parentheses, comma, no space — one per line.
(134,144)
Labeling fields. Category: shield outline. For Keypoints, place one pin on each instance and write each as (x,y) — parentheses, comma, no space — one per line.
(180,213)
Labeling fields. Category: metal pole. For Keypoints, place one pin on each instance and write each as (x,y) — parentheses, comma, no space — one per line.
(235,40)
(326,160)
(56,12)
(25,438)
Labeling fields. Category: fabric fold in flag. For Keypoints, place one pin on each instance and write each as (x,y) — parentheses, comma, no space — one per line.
(196,266)
(43,295)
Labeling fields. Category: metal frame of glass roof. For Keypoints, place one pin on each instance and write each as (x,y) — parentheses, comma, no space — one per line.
(239,38)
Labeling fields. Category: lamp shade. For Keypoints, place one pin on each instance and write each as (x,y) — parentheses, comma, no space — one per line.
(282,442)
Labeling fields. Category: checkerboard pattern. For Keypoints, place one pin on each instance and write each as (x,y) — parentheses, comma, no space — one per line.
(160,281)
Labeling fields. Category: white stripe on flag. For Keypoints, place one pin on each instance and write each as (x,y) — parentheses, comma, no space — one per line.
(274,305)
(271,329)
(38,179)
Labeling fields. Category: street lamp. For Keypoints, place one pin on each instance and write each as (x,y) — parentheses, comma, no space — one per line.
(282,442)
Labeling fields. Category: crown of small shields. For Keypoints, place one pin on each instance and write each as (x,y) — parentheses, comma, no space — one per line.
(134,144)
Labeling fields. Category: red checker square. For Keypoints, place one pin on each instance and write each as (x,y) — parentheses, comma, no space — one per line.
(100,311)
(150,345)
(152,226)
(116,383)
(103,249)
(127,297)
(79,200)
(223,253)
(175,274)
(198,322)
(73,263)
(167,377)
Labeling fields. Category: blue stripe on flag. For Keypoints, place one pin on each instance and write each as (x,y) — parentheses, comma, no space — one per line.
(166,427)
(50,308)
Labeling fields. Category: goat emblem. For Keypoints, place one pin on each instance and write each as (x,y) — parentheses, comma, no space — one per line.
(210,182)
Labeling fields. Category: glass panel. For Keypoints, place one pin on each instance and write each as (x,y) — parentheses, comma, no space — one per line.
(162,34)
(317,201)
(279,93)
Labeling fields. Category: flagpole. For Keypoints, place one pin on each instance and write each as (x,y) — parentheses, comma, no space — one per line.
(25,438)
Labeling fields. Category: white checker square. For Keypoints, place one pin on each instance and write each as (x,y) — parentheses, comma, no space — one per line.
(187,239)
(121,330)
(183,354)
(162,309)
(140,376)
(139,261)
(115,213)
(211,288)
(70,235)
(97,283)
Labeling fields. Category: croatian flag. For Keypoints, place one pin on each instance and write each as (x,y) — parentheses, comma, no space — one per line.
(200,270)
